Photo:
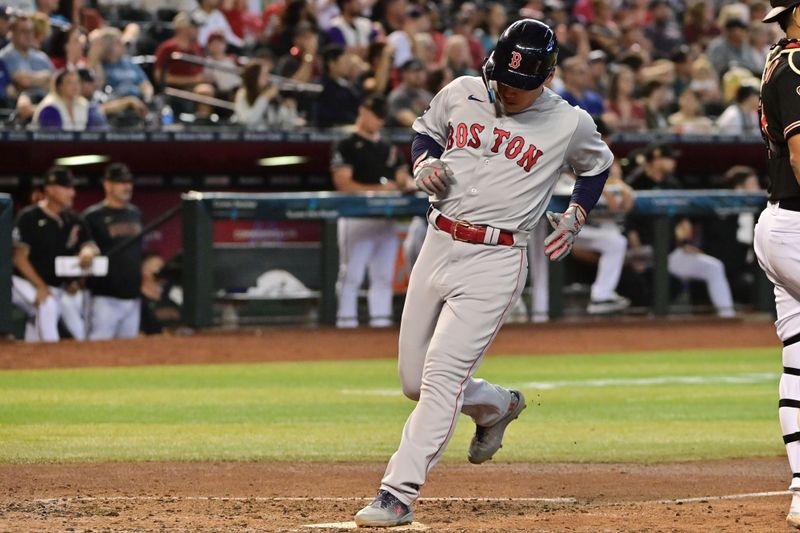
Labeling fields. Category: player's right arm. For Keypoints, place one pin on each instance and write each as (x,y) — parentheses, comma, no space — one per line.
(23,264)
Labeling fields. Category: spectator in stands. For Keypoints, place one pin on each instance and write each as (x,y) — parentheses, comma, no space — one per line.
(495,21)
(391,14)
(376,78)
(366,162)
(42,232)
(175,73)
(575,73)
(402,40)
(123,111)
(5,26)
(115,68)
(741,117)
(656,99)
(338,103)
(226,77)
(699,26)
(663,32)
(603,30)
(705,82)
(67,48)
(686,261)
(64,108)
(598,71)
(210,19)
(457,57)
(42,29)
(683,70)
(409,99)
(350,29)
(731,48)
(465,25)
(295,13)
(438,79)
(690,117)
(258,104)
(30,69)
(49,8)
(624,112)
(300,63)
(116,225)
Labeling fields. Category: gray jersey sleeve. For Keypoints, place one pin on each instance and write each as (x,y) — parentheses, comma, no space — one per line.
(587,154)
(434,121)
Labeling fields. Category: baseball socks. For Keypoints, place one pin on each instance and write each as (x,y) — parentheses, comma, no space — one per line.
(788,410)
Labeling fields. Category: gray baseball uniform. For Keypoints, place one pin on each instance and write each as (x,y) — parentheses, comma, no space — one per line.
(460,293)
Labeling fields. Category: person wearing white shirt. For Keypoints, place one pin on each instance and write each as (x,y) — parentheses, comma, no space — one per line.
(212,20)
(741,117)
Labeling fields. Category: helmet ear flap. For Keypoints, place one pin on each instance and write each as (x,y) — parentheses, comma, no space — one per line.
(487,69)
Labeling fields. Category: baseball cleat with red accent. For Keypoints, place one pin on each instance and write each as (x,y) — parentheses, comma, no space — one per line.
(384,511)
(487,440)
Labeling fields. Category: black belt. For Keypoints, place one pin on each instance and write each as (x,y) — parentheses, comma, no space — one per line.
(790,204)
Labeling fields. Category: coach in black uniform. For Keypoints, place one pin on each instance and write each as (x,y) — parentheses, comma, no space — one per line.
(777,234)
(42,232)
(116,225)
(366,162)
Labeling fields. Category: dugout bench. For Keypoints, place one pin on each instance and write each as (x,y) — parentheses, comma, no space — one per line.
(201,209)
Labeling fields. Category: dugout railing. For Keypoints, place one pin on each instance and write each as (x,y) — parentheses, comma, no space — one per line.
(201,209)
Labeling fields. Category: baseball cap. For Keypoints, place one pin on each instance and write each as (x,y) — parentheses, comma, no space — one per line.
(412,64)
(735,22)
(655,151)
(778,7)
(376,104)
(183,20)
(87,74)
(59,175)
(216,36)
(118,172)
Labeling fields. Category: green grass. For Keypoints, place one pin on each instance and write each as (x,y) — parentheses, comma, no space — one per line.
(352,411)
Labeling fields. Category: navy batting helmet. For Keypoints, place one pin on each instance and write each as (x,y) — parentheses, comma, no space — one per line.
(524,57)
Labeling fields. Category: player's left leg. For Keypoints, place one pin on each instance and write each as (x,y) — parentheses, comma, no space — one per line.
(611,245)
(73,312)
(128,326)
(700,266)
(102,318)
(381,273)
(539,273)
(355,248)
(480,289)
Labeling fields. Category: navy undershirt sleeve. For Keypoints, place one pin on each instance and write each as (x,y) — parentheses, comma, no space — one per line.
(588,189)
(424,143)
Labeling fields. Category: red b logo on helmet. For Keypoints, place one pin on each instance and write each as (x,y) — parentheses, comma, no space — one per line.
(516,59)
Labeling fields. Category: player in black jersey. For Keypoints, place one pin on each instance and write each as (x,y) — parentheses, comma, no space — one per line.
(777,234)
(116,225)
(42,232)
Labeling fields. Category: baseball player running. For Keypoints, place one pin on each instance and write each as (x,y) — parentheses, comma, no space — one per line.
(487,151)
(115,223)
(777,234)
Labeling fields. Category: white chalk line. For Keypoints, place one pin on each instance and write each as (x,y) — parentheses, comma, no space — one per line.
(697,499)
(745,378)
(743,496)
(286,499)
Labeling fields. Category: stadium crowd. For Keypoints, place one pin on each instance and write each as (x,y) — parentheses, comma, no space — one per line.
(681,66)
(635,65)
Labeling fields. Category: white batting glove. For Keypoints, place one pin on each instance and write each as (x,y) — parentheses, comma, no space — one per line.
(566,226)
(433,176)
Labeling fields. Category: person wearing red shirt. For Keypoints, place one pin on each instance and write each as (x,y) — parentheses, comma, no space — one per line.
(181,74)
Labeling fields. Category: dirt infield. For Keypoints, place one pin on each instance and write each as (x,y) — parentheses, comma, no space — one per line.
(739,495)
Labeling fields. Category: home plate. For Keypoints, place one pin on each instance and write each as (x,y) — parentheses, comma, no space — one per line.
(414,526)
